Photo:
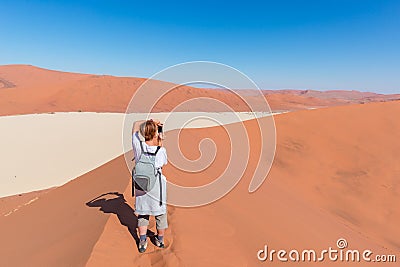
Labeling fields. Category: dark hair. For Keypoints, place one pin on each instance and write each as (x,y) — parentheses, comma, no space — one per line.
(148,130)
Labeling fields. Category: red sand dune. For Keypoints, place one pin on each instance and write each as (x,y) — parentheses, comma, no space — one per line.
(27,89)
(335,175)
(352,96)
(11,204)
(58,229)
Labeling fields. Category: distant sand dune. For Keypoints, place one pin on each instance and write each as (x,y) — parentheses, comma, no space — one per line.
(39,90)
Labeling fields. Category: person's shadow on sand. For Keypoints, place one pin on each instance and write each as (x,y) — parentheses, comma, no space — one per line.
(119,207)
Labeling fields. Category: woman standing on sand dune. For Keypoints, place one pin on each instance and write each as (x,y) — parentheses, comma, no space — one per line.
(147,140)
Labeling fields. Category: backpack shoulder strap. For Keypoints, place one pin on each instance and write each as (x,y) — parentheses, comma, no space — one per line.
(141,146)
(149,153)
(159,180)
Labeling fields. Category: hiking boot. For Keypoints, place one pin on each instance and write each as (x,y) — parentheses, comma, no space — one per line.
(142,246)
(159,243)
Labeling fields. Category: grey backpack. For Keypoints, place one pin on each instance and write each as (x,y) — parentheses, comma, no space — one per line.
(145,173)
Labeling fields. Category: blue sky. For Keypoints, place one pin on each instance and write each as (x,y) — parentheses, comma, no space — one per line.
(324,44)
